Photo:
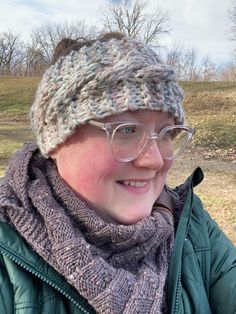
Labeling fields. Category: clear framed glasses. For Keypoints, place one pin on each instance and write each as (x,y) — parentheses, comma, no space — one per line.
(128,140)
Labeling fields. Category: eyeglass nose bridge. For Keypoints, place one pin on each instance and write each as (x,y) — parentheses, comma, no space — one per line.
(149,137)
(154,136)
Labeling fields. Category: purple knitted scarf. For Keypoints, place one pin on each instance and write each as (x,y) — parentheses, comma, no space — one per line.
(117,268)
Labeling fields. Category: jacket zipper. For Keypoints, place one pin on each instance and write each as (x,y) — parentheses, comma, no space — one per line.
(179,275)
(17,261)
(177,292)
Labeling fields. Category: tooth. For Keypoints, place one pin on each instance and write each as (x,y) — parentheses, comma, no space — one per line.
(126,182)
(134,183)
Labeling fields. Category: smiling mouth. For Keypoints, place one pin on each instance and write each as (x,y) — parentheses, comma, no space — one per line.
(137,184)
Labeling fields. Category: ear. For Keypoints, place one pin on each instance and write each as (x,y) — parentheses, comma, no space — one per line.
(54,153)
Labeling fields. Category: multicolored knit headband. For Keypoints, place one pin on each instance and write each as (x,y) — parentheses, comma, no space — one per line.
(100,80)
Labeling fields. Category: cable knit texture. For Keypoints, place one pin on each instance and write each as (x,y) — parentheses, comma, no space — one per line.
(106,78)
(117,268)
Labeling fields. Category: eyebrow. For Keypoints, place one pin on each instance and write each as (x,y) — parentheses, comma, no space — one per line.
(158,128)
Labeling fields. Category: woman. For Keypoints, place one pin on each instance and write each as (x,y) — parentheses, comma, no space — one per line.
(88,224)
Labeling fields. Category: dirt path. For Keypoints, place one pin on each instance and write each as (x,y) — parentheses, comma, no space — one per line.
(224,173)
(218,189)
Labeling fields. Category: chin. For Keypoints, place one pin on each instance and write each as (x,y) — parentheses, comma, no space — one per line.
(133,218)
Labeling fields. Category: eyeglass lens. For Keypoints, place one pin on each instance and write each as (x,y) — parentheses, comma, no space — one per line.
(129,140)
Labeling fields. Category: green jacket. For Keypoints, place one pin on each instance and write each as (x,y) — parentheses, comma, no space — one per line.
(201,279)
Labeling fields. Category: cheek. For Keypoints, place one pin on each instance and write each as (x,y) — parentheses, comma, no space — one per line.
(96,171)
(99,170)
(167,165)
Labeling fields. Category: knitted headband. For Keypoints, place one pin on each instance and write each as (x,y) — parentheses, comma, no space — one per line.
(100,80)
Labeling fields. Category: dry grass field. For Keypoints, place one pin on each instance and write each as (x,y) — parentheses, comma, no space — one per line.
(210,108)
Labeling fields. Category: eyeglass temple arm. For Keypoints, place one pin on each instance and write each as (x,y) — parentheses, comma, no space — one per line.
(98,124)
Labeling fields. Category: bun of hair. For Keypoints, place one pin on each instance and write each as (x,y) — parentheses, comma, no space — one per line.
(66,45)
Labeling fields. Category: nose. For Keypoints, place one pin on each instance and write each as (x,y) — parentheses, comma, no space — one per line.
(151,157)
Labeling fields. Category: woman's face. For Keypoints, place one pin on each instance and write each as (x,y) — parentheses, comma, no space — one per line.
(85,163)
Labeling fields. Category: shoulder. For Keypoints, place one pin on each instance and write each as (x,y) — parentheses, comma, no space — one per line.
(191,216)
(216,256)
(196,230)
(6,284)
(21,285)
(203,228)
(26,280)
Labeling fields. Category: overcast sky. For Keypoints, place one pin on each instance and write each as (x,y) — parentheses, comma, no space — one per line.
(200,24)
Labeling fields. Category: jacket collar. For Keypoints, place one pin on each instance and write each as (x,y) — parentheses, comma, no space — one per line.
(196,177)
(186,203)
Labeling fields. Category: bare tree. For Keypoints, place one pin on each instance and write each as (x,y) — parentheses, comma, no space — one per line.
(175,57)
(132,18)
(232,16)
(33,57)
(11,54)
(208,71)
(228,73)
(188,66)
(34,63)
(46,37)
(184,61)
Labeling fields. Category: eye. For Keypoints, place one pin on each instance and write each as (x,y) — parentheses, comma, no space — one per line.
(127,129)
(171,134)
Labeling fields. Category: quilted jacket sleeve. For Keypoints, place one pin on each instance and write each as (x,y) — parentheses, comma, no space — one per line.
(223,271)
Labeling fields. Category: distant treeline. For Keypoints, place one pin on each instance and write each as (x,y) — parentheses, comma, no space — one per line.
(31,56)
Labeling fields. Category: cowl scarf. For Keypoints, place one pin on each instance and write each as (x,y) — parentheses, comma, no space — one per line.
(117,268)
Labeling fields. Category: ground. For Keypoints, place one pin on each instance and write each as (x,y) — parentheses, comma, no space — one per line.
(218,189)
